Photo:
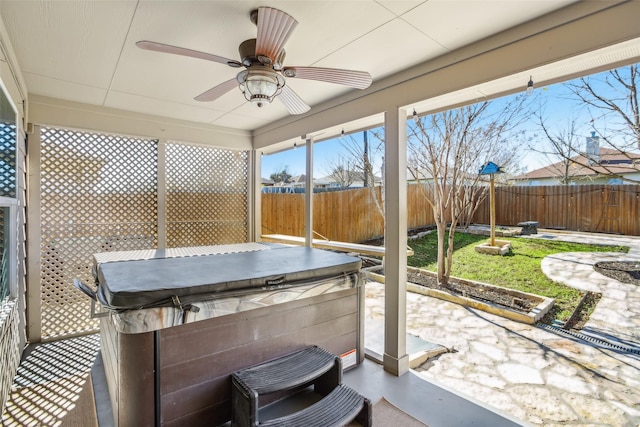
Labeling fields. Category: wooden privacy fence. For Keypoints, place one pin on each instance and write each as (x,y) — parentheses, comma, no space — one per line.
(594,208)
(345,216)
(351,215)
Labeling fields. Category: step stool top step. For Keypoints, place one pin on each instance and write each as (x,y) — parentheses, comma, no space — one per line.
(338,408)
(288,371)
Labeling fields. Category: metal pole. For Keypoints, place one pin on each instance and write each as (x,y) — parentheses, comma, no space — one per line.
(366,160)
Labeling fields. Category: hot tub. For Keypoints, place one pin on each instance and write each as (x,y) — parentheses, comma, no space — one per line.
(180,321)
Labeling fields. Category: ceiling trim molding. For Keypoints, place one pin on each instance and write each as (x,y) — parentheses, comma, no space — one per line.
(56,112)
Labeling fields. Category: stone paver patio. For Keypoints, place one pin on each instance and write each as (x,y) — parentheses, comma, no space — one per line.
(537,376)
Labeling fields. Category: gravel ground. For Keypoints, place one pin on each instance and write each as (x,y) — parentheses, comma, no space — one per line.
(622,271)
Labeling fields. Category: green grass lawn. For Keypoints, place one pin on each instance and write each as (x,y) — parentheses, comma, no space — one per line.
(519,270)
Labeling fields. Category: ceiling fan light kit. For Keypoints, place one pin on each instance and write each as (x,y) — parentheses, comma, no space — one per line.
(263,57)
(260,84)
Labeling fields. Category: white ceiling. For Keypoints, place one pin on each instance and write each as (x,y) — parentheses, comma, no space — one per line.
(84,50)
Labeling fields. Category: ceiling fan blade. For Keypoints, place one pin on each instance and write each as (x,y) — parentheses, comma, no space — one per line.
(292,101)
(167,48)
(274,29)
(217,91)
(356,79)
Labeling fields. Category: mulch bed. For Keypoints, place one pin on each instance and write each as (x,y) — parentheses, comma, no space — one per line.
(497,296)
(478,292)
(622,271)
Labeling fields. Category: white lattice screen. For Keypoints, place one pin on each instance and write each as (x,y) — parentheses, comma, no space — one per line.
(206,196)
(99,193)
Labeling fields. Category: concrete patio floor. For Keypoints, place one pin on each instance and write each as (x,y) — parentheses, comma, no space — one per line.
(531,375)
(534,375)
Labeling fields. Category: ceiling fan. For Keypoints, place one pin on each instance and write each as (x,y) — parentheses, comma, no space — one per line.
(264,76)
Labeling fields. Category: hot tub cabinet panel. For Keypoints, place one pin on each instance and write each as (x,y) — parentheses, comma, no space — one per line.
(129,368)
(192,384)
(196,359)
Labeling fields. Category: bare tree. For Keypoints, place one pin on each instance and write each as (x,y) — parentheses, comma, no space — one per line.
(611,99)
(362,156)
(564,146)
(341,171)
(613,96)
(446,151)
(281,176)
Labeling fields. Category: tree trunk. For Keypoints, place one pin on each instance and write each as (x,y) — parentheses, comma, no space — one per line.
(443,278)
(452,231)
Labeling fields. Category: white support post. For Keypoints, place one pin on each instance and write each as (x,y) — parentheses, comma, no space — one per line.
(254,202)
(395,359)
(308,195)
(162,194)
(34,288)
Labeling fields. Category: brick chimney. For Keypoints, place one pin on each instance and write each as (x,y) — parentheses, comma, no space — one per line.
(592,149)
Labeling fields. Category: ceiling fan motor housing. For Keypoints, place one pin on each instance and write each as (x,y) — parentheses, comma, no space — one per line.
(247,51)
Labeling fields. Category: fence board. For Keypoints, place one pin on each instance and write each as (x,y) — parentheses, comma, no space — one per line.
(351,215)
(594,208)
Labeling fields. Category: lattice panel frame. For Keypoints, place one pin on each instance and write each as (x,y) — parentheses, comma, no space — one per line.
(98,194)
(4,258)
(207,195)
(9,349)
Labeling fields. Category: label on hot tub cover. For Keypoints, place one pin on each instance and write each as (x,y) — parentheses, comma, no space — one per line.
(349,359)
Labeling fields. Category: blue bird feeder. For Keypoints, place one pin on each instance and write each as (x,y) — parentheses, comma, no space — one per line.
(490,168)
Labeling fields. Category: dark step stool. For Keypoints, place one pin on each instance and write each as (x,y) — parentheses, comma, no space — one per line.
(309,366)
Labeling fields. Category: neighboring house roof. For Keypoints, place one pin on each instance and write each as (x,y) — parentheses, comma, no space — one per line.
(354,177)
(422,175)
(425,176)
(297,179)
(612,162)
(293,181)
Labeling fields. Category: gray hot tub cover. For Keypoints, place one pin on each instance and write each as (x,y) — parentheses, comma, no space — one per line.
(156,282)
